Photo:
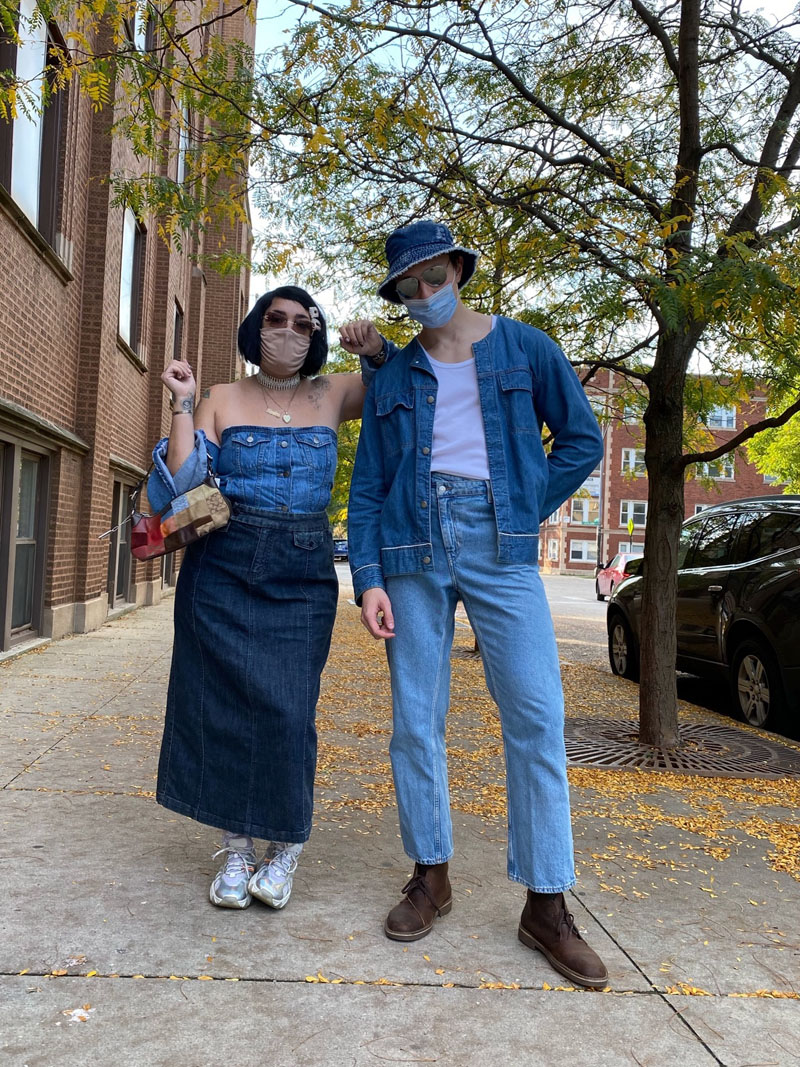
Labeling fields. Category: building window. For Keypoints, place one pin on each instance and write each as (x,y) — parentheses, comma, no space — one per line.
(583,551)
(23,496)
(184,146)
(177,332)
(585,511)
(720,469)
(119,555)
(722,417)
(700,507)
(633,509)
(552,550)
(630,546)
(555,517)
(131,284)
(31,156)
(633,461)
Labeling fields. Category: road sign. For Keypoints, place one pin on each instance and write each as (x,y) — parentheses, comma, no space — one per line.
(630,527)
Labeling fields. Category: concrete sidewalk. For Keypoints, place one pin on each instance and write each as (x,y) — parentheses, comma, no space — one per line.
(111,954)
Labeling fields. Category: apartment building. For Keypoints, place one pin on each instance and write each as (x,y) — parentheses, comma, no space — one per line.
(594,524)
(93,304)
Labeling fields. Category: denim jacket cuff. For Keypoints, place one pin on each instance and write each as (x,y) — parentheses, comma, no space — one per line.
(370,365)
(162,486)
(367,577)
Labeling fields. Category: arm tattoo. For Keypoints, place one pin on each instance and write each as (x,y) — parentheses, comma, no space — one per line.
(320,386)
(187,403)
(206,394)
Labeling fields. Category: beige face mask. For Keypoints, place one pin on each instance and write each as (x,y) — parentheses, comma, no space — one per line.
(283,352)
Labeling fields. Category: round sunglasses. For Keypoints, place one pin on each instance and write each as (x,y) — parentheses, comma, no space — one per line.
(434,276)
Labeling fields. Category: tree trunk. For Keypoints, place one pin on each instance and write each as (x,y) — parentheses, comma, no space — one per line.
(663,418)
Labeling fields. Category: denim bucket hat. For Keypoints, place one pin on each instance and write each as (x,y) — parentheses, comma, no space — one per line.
(414,244)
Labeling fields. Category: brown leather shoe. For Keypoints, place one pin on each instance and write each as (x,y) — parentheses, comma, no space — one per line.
(547,925)
(427,894)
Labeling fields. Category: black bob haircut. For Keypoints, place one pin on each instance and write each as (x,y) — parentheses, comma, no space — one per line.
(249,337)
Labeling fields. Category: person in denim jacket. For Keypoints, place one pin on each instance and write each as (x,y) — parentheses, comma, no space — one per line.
(255,602)
(450,483)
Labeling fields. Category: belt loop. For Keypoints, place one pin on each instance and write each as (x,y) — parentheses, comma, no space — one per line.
(489,497)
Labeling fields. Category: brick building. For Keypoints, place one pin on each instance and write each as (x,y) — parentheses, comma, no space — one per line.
(593,524)
(93,304)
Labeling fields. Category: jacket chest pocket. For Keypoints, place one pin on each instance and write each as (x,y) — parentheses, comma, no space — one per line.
(316,454)
(395,413)
(251,465)
(516,398)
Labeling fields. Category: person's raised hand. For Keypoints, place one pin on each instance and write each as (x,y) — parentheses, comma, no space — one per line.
(179,379)
(360,338)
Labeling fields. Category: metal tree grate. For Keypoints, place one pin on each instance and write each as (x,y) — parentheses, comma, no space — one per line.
(720,751)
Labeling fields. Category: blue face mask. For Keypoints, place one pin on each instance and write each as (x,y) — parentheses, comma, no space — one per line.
(434,311)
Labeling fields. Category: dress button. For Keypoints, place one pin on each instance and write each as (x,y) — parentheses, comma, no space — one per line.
(442,489)
(249,438)
(286,474)
(316,440)
(426,559)
(426,451)
(423,503)
(284,444)
(431,399)
(285,507)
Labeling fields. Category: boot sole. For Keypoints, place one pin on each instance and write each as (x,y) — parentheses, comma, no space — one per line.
(415,935)
(580,979)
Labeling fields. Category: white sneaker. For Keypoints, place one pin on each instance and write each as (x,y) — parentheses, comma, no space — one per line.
(229,888)
(272,882)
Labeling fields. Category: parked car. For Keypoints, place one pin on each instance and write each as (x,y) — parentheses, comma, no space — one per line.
(340,549)
(738,606)
(609,576)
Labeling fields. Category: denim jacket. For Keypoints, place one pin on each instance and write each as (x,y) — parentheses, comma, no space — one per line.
(524,381)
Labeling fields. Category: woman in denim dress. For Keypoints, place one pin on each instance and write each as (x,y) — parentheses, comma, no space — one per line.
(255,602)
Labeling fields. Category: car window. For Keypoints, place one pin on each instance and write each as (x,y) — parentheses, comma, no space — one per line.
(715,545)
(689,535)
(614,564)
(772,533)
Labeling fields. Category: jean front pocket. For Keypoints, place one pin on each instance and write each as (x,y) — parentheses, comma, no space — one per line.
(395,413)
(308,540)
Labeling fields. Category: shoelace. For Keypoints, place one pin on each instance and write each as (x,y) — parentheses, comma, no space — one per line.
(283,861)
(566,926)
(418,882)
(236,864)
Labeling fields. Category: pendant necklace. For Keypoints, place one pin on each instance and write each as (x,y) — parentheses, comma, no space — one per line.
(284,414)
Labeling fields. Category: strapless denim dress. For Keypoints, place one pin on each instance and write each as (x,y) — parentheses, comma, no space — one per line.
(255,606)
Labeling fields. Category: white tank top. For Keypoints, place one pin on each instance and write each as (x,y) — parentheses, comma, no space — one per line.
(459,438)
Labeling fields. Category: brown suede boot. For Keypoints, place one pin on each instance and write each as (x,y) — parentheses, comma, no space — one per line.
(547,925)
(427,894)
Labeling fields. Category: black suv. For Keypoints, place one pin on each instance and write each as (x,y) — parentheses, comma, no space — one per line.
(738,609)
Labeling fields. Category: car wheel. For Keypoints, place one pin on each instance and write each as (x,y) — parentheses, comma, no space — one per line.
(597,591)
(756,684)
(622,653)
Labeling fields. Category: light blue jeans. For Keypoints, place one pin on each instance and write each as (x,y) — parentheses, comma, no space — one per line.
(508,610)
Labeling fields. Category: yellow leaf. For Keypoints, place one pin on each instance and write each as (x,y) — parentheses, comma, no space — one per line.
(204,978)
(545,985)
